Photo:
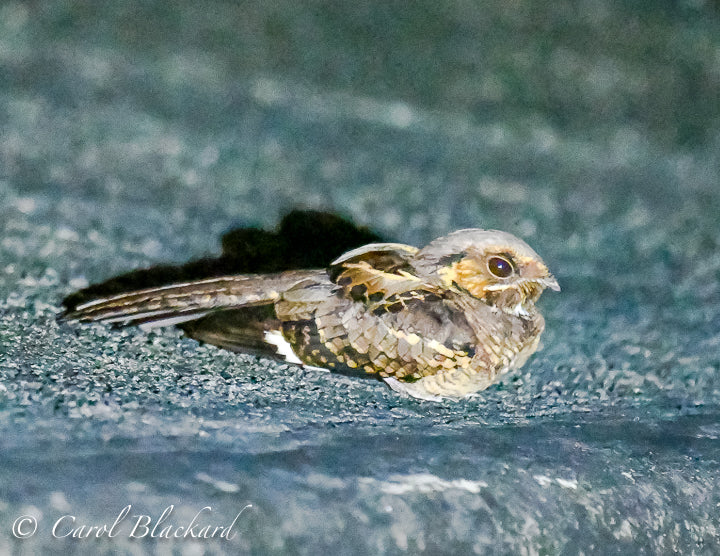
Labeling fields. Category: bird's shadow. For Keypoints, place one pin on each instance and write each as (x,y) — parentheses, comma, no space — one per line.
(304,239)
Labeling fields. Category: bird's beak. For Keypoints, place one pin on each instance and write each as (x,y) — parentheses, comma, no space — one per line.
(538,272)
(549,282)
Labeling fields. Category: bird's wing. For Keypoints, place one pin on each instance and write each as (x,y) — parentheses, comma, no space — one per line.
(179,303)
(379,274)
(389,257)
(412,325)
(243,330)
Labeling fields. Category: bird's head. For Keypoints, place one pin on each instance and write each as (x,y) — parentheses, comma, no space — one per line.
(494,266)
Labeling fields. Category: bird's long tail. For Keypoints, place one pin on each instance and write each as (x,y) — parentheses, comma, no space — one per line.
(178,303)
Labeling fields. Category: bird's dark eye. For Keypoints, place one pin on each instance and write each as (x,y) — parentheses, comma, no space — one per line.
(500,267)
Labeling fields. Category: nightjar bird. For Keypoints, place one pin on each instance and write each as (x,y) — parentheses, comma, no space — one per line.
(444,321)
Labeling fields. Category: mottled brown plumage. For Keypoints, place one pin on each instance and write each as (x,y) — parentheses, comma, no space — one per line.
(442,321)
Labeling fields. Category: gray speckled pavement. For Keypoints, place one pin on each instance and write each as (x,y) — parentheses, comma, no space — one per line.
(136,133)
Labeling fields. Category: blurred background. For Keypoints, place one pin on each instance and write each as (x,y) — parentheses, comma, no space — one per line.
(136,133)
